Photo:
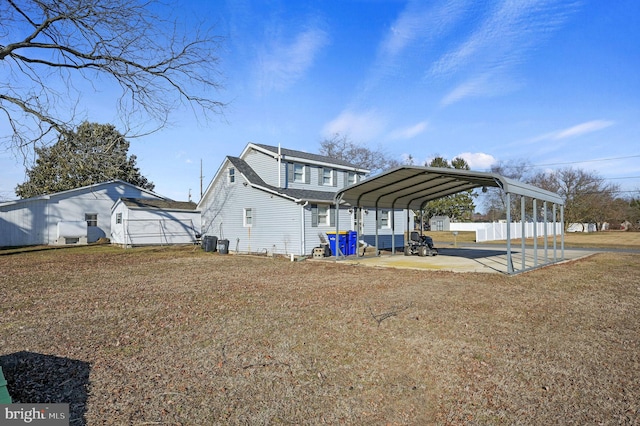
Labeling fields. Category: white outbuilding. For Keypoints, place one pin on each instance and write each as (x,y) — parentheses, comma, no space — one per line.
(76,216)
(143,221)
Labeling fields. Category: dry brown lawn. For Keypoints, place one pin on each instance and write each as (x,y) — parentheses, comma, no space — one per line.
(179,336)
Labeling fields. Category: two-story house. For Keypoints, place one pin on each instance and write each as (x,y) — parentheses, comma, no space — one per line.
(281,201)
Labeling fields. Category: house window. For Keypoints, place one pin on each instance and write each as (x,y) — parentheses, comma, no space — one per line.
(322,215)
(232,175)
(247,220)
(91,218)
(118,218)
(384,219)
(298,173)
(327,177)
(351,178)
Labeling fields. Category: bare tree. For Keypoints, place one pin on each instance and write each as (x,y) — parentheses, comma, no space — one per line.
(494,200)
(588,198)
(340,147)
(50,48)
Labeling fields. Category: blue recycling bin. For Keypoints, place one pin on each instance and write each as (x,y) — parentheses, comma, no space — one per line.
(342,242)
(352,243)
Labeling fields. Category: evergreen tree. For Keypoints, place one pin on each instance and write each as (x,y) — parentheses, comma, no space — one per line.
(92,154)
(458,206)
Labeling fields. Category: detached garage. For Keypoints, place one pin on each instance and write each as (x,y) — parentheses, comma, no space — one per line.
(141,221)
(76,216)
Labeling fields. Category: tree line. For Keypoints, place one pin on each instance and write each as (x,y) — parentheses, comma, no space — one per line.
(588,197)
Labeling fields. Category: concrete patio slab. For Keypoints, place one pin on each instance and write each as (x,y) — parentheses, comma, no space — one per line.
(487,259)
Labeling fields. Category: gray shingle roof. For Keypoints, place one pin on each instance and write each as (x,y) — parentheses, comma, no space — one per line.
(307,156)
(158,204)
(298,194)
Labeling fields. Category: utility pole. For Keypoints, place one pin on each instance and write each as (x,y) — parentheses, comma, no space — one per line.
(201,178)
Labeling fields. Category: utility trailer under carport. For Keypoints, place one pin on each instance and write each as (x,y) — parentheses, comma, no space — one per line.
(411,187)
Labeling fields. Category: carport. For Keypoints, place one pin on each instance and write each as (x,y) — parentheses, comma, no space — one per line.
(411,187)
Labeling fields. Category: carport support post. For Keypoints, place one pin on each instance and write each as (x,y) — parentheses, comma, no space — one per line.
(523,226)
(555,231)
(546,233)
(535,233)
(509,262)
(377,226)
(562,230)
(406,235)
(393,230)
(338,251)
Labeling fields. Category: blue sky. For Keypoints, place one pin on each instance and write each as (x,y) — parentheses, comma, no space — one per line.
(554,82)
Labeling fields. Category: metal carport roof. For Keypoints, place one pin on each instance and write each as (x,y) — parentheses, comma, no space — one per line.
(411,187)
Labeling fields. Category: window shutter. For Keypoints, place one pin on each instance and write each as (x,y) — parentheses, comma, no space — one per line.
(320,175)
(307,174)
(345,179)
(334,177)
(314,215)
(253,217)
(332,216)
(290,176)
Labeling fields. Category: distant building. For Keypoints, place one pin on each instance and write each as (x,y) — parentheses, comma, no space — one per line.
(81,215)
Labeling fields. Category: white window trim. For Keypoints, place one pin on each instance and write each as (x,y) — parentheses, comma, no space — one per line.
(326,215)
(296,167)
(384,225)
(352,177)
(324,173)
(244,217)
(86,218)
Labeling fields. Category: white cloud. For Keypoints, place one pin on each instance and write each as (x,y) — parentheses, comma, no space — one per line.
(504,39)
(420,21)
(284,63)
(573,131)
(478,160)
(410,131)
(583,128)
(362,126)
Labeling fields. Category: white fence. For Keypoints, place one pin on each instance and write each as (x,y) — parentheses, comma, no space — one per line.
(498,230)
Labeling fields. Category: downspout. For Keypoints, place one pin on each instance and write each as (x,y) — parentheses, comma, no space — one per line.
(279,167)
(302,228)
